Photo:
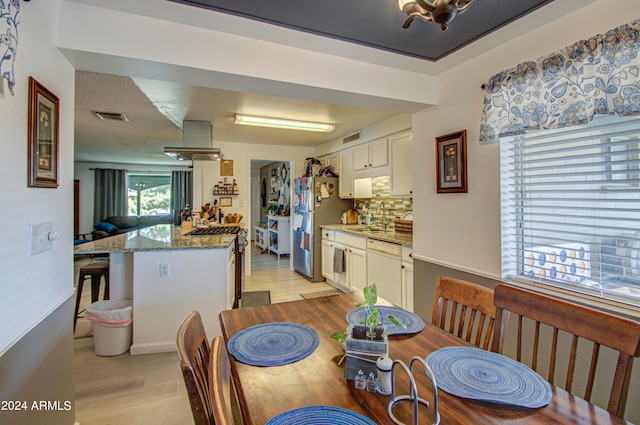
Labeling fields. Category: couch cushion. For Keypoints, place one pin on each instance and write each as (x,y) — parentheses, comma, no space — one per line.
(106,227)
(123,221)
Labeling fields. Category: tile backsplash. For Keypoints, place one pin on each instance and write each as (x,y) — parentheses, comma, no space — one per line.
(394,207)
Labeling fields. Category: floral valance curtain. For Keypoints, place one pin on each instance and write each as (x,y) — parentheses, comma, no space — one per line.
(600,75)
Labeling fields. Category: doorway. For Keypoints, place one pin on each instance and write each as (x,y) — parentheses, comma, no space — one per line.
(270,207)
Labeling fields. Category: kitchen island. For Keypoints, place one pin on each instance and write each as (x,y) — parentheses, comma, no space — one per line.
(168,275)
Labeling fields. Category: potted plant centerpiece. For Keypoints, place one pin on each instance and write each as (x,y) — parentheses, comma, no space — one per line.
(366,341)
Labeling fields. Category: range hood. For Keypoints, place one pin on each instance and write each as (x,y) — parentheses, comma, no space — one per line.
(196,138)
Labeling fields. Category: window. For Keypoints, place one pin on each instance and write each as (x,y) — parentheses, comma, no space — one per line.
(571,208)
(148,194)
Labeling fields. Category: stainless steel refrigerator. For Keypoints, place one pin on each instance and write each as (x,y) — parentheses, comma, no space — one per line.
(316,202)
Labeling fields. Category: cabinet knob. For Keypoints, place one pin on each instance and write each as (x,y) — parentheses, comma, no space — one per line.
(411,255)
(370,165)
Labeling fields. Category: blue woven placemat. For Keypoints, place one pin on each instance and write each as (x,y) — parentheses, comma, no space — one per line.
(482,375)
(413,322)
(273,344)
(320,415)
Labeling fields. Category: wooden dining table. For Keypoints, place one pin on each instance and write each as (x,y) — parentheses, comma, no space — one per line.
(264,392)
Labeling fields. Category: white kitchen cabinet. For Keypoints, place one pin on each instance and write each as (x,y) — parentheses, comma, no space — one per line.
(355,252)
(331,159)
(407,278)
(357,268)
(327,247)
(371,155)
(345,160)
(342,278)
(401,179)
(231,267)
(279,238)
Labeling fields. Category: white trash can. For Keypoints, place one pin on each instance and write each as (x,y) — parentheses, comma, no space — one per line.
(111,321)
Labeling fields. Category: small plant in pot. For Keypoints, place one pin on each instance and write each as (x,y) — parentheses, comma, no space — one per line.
(366,341)
(371,328)
(271,209)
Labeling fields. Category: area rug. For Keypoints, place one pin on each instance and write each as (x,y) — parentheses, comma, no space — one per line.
(321,294)
(254,298)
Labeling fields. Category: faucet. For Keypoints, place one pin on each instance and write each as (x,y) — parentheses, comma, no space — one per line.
(384,216)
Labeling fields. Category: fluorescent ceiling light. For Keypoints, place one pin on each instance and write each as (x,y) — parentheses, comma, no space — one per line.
(283,123)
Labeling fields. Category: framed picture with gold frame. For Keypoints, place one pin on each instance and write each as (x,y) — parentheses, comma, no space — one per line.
(451,162)
(225,202)
(43,134)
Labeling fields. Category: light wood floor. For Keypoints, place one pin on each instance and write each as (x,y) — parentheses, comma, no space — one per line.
(149,389)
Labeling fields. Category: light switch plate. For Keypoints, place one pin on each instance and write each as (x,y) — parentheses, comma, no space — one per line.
(39,237)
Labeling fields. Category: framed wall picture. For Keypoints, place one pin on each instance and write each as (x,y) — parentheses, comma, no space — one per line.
(225,202)
(43,134)
(451,162)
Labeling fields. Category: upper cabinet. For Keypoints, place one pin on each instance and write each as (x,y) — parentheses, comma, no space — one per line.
(401,178)
(371,155)
(345,164)
(330,159)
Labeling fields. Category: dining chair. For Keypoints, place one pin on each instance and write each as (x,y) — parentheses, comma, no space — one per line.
(194,353)
(581,324)
(221,383)
(464,309)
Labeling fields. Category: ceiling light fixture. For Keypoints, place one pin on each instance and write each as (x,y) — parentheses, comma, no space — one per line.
(283,123)
(440,12)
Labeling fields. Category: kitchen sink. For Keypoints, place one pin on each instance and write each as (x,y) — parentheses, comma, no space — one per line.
(368,229)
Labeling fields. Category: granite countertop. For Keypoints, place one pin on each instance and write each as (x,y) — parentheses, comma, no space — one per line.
(154,238)
(372,233)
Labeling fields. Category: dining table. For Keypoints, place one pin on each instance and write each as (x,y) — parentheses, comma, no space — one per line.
(319,379)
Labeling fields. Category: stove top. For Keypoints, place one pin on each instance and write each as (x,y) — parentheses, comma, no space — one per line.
(217,230)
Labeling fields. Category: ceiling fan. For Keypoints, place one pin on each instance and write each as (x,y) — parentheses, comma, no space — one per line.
(440,12)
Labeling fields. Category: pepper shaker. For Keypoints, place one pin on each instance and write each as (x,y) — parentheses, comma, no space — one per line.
(371,383)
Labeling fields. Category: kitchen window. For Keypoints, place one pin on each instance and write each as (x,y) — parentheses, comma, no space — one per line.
(571,209)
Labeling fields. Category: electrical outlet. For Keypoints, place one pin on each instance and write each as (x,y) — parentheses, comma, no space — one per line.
(164,270)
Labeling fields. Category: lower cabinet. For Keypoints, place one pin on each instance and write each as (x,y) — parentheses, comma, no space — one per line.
(354,273)
(407,278)
(327,249)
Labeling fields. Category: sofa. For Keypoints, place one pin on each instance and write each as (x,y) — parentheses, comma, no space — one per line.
(118,224)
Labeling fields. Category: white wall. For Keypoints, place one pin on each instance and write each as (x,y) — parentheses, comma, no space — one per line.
(36,291)
(463,230)
(32,286)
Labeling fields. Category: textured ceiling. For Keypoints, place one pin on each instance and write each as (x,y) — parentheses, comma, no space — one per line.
(378,24)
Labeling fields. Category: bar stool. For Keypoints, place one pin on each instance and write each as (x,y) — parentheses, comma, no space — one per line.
(95,270)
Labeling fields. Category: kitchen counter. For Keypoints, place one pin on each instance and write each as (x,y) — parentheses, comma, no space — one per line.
(167,275)
(154,238)
(375,233)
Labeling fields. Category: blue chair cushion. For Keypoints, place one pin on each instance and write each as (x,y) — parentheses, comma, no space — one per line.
(106,227)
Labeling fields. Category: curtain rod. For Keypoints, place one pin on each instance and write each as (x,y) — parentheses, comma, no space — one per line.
(130,171)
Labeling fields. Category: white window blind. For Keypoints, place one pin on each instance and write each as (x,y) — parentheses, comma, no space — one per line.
(571,208)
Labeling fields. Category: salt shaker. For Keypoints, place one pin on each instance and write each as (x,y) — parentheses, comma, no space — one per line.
(371,383)
(360,381)
(384,365)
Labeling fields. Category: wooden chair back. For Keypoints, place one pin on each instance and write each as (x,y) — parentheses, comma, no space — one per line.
(581,323)
(464,309)
(194,353)
(221,383)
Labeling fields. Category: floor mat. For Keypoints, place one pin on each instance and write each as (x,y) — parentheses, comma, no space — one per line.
(321,294)
(254,298)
